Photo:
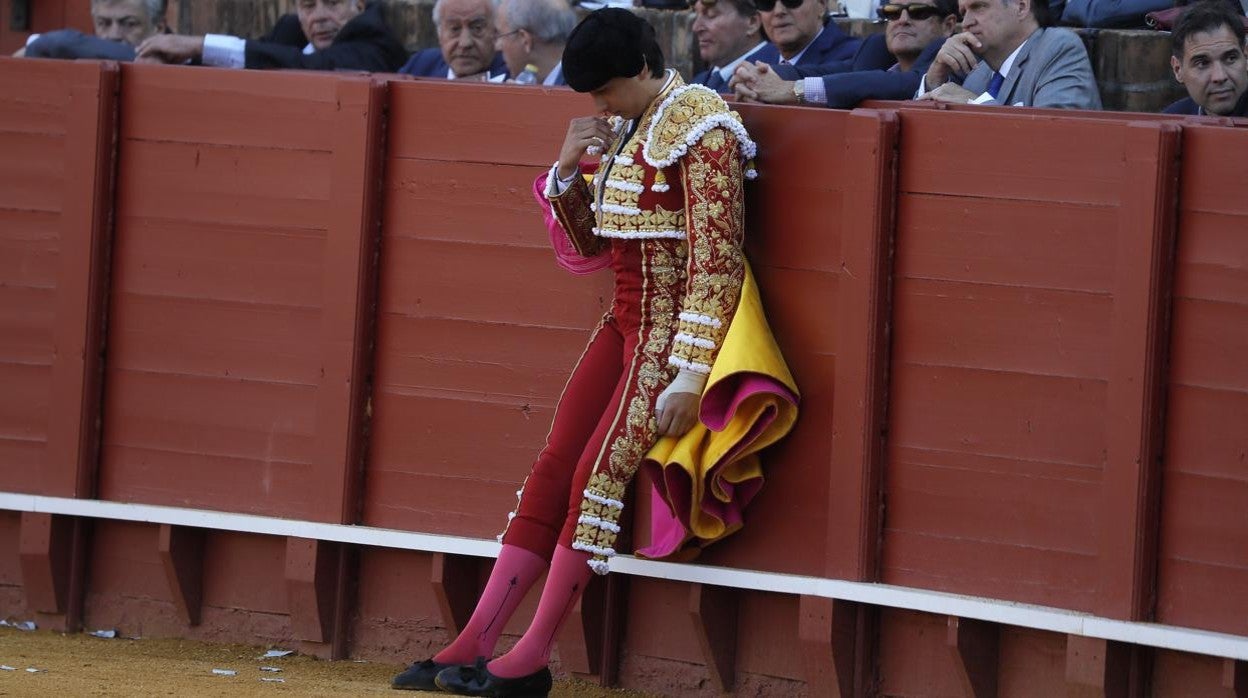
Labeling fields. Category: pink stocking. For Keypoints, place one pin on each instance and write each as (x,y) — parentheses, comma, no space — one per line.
(568,576)
(514,573)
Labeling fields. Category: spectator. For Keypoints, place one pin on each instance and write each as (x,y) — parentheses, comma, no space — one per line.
(321,35)
(887,66)
(533,32)
(1008,57)
(729,32)
(1208,58)
(466,39)
(1108,14)
(120,26)
(801,34)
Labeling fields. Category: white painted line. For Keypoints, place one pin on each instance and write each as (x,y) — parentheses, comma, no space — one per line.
(1005,612)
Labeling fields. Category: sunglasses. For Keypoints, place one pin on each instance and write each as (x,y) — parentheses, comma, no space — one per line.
(769,5)
(918,11)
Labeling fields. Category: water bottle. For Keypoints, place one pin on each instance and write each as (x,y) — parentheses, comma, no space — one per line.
(528,76)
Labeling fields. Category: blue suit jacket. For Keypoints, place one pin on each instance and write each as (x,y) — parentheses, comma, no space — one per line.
(71,44)
(829,46)
(429,63)
(866,77)
(714,81)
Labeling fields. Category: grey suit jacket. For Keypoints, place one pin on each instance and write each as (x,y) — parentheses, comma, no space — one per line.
(1052,70)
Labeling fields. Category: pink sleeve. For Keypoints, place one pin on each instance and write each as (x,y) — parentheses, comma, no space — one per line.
(565,254)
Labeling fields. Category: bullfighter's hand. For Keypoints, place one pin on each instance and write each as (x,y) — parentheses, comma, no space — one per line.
(583,132)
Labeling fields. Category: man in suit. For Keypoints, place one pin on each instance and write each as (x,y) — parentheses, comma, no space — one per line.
(1010,58)
(321,35)
(729,32)
(120,26)
(466,37)
(801,33)
(887,66)
(533,32)
(1208,59)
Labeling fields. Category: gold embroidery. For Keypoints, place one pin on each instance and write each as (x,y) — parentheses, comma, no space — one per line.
(713,183)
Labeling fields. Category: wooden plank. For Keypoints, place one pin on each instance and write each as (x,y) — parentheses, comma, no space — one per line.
(975,647)
(978,155)
(827,630)
(455,585)
(458,122)
(1100,669)
(1132,481)
(82,283)
(1018,244)
(349,287)
(713,611)
(46,551)
(311,573)
(248,109)
(863,310)
(181,551)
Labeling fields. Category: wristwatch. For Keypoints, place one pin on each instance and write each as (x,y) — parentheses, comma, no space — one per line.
(799,90)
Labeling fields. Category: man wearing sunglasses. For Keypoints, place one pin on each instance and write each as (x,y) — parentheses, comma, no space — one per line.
(887,66)
(1005,55)
(801,34)
(729,32)
(465,50)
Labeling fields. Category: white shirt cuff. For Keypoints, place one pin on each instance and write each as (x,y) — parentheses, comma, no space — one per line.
(556,186)
(922,87)
(32,39)
(224,51)
(984,98)
(813,91)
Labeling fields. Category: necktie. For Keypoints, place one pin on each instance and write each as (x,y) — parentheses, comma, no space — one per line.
(715,81)
(994,85)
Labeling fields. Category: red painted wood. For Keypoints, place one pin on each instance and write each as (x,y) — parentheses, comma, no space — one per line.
(349,287)
(860,399)
(181,551)
(975,647)
(1131,484)
(713,611)
(55,183)
(1203,567)
(244,261)
(311,567)
(827,629)
(454,581)
(1098,668)
(45,550)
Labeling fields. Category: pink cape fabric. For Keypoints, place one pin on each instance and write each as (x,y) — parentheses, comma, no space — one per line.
(672,492)
(565,254)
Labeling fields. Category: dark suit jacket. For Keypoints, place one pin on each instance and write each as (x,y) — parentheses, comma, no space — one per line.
(1187,105)
(716,82)
(429,63)
(846,88)
(365,43)
(72,44)
(830,45)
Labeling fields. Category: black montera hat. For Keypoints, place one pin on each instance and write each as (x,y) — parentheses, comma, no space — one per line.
(609,43)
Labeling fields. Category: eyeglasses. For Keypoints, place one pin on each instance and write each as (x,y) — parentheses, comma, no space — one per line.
(478,28)
(918,11)
(513,32)
(769,5)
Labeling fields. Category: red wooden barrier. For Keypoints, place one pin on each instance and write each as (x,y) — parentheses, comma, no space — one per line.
(243,257)
(977,312)
(56,130)
(1203,576)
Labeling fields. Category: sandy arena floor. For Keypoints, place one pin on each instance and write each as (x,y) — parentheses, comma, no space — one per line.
(81,665)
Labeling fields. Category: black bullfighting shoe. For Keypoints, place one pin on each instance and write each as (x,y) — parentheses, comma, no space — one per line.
(478,681)
(419,676)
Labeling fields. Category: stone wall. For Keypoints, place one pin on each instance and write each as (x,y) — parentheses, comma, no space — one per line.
(1133,67)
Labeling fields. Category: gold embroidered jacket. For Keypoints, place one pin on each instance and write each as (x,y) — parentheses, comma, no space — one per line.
(678,176)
